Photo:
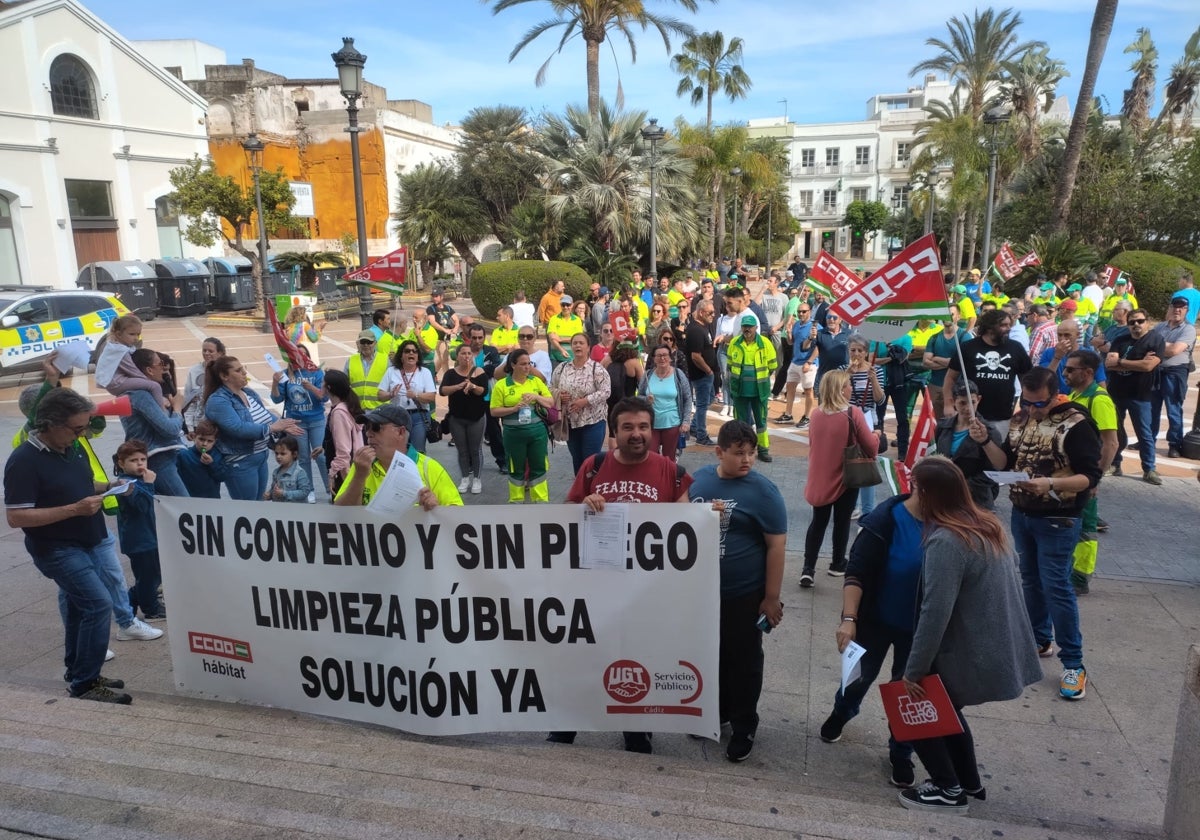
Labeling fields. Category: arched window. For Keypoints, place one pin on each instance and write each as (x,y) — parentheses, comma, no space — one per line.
(72,92)
(10,267)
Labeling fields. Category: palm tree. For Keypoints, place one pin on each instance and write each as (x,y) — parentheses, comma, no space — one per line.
(975,54)
(434,209)
(601,169)
(1179,98)
(1102,23)
(307,263)
(707,65)
(1029,86)
(498,163)
(713,154)
(593,20)
(1140,95)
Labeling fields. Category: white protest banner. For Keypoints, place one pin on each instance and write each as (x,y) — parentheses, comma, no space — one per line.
(463,619)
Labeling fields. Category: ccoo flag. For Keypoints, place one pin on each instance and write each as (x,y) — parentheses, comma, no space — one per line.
(387,273)
(907,289)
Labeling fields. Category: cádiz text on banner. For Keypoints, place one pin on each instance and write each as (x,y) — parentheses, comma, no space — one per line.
(447,622)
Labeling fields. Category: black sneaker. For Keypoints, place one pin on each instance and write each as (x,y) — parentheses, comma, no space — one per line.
(837,570)
(934,798)
(831,729)
(100,680)
(1101,526)
(1173,452)
(764,455)
(103,694)
(979,793)
(803,424)
(785,418)
(740,746)
(561,737)
(902,774)
(806,579)
(705,441)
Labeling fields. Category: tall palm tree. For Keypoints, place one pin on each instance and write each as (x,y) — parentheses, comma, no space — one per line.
(973,56)
(1139,97)
(593,20)
(433,209)
(498,162)
(1029,86)
(1102,23)
(601,169)
(1179,98)
(713,154)
(708,65)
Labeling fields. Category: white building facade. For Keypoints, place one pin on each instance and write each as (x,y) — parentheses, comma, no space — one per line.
(89,129)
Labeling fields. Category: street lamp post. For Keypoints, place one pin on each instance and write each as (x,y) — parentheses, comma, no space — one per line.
(349,63)
(931,180)
(652,134)
(253,147)
(736,172)
(994,117)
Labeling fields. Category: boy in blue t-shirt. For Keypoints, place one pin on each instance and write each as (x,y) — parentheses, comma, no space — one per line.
(753,541)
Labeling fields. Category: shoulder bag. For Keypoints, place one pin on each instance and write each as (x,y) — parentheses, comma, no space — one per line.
(857,469)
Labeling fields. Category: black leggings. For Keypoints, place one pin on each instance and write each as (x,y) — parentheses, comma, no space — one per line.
(950,759)
(840,509)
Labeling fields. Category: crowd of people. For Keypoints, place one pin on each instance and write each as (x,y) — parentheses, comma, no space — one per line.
(1040,385)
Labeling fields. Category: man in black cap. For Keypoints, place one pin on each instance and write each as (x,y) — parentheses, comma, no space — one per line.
(388,428)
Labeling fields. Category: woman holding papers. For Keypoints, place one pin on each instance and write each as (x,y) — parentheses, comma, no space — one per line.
(972,629)
(388,430)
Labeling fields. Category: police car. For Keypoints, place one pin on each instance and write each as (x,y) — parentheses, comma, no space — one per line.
(34,320)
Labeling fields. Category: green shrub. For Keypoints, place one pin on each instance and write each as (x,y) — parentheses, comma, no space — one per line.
(493,284)
(1154,276)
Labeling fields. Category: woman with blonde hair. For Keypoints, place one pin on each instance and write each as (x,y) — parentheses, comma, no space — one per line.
(834,425)
(302,332)
(972,628)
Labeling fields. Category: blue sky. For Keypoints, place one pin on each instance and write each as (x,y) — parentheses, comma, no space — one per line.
(825,60)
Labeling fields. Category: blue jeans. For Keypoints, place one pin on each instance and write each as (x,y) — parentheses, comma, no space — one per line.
(585,441)
(416,435)
(108,567)
(1046,547)
(246,479)
(1171,390)
(704,395)
(723,366)
(167,481)
(86,606)
(876,637)
(312,436)
(1139,413)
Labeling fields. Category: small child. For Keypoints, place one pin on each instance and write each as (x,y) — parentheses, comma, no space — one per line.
(753,539)
(201,466)
(135,526)
(289,483)
(115,370)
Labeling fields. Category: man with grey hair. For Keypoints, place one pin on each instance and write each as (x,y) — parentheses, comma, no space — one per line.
(50,493)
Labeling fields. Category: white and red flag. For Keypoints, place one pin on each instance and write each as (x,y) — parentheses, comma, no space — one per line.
(387,273)
(907,289)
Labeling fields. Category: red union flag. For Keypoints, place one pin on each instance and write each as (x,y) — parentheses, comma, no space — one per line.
(386,273)
(1030,258)
(1006,262)
(833,275)
(909,287)
(923,432)
(296,357)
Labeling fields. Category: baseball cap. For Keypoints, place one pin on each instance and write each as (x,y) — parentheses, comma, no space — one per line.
(749,321)
(1045,287)
(567,299)
(603,291)
(1068,306)
(388,413)
(960,289)
(1075,287)
(1121,281)
(1179,300)
(366,335)
(435,291)
(975,272)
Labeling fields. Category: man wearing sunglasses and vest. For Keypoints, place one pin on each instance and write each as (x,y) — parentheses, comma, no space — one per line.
(1054,442)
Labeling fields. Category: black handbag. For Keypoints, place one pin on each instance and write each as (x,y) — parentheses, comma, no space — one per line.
(858,470)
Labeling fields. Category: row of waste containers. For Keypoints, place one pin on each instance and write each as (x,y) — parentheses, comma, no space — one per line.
(178,288)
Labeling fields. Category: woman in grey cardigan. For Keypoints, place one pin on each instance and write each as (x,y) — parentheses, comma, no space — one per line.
(972,629)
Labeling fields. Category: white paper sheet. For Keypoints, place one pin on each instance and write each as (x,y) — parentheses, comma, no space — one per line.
(274,365)
(397,492)
(604,537)
(851,668)
(117,489)
(1004,477)
(73,354)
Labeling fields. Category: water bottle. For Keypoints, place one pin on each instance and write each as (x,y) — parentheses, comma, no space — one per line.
(525,415)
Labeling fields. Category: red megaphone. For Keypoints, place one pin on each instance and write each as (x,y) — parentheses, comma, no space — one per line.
(118,407)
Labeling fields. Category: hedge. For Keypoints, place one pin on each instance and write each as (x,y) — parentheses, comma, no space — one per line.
(494,283)
(1155,277)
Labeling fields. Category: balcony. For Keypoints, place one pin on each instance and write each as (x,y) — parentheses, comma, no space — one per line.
(829,169)
(803,171)
(804,210)
(860,168)
(898,164)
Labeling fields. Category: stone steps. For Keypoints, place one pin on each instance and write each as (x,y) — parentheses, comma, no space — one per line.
(181,768)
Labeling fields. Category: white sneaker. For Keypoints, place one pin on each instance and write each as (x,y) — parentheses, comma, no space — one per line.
(857,513)
(465,484)
(312,497)
(109,656)
(476,486)
(138,631)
